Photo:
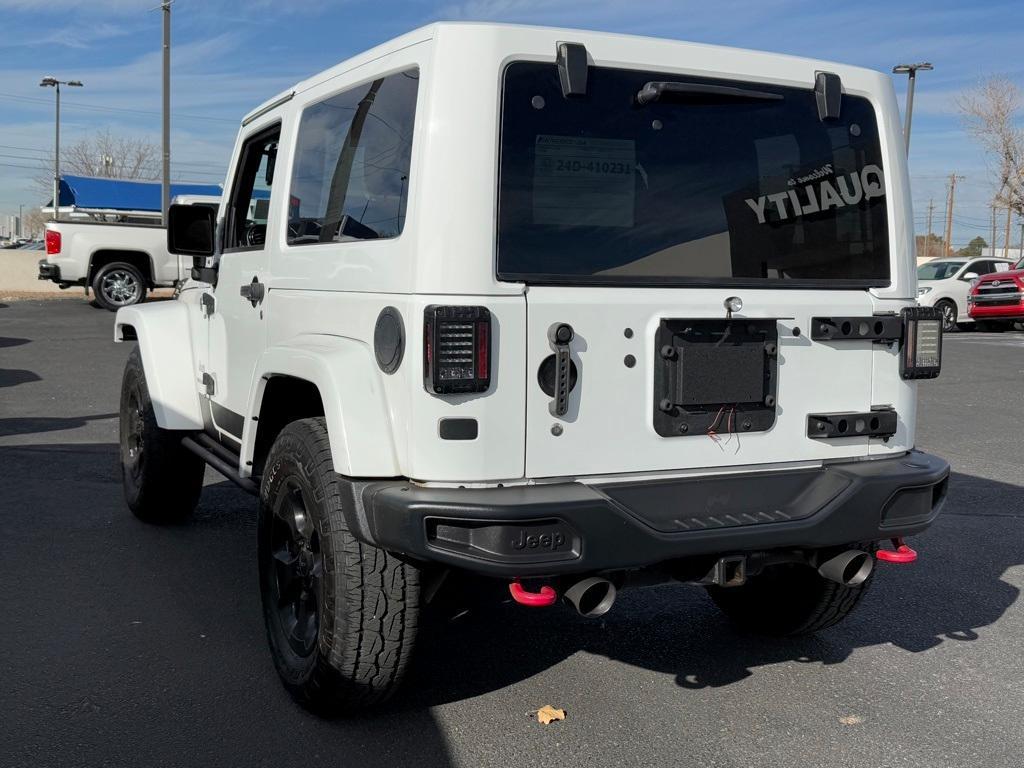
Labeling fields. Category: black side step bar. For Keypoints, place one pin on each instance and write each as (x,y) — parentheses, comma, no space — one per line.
(220,458)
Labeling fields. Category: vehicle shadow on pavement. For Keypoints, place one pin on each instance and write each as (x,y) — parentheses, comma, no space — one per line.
(8,341)
(954,590)
(12,377)
(126,640)
(28,425)
(126,644)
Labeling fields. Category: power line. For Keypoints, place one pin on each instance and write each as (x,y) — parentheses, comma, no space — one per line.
(101,108)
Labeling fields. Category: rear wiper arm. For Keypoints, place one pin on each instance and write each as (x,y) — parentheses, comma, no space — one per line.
(653,91)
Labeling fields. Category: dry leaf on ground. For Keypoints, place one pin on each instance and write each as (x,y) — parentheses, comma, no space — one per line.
(548,714)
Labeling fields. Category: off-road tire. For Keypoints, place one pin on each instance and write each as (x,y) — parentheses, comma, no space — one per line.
(788,600)
(108,298)
(162,480)
(354,652)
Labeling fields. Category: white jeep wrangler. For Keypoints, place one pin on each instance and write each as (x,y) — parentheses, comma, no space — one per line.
(552,307)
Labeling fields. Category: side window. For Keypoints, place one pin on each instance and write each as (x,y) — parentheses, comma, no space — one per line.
(981,267)
(350,177)
(249,206)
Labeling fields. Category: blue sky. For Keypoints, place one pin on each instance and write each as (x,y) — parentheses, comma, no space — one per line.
(229,56)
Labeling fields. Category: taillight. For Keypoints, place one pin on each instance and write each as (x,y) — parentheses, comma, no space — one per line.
(921,352)
(456,349)
(52,242)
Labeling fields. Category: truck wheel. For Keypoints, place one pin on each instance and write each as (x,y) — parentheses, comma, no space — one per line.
(162,480)
(341,615)
(948,309)
(788,599)
(118,285)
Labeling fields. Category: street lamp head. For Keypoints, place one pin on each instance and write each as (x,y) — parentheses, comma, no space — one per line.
(51,81)
(75,83)
(903,69)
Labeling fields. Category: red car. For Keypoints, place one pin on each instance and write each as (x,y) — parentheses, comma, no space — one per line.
(996,301)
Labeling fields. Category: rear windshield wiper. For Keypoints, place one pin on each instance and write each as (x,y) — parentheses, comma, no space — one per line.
(654,91)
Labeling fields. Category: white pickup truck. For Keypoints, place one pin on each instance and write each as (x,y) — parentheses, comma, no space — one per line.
(119,262)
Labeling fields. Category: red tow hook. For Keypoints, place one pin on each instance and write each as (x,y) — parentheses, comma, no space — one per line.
(902,553)
(547,595)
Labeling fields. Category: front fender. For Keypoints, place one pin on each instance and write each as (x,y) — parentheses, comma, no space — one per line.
(166,348)
(350,386)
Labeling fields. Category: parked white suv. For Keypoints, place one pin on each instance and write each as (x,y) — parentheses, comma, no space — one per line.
(552,307)
(945,283)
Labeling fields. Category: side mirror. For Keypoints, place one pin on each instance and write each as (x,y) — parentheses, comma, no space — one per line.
(190,230)
(967,277)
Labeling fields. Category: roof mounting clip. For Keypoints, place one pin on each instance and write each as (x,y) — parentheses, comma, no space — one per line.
(571,59)
(828,92)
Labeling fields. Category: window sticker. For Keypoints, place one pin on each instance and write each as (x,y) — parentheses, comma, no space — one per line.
(817,190)
(583,182)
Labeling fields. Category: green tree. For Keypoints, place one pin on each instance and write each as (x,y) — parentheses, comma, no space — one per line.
(973,248)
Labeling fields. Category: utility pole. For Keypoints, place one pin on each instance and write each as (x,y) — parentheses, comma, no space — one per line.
(928,237)
(21,222)
(1006,240)
(953,179)
(993,249)
(165,186)
(911,71)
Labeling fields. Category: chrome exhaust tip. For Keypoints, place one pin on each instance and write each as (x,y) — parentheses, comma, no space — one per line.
(848,568)
(591,597)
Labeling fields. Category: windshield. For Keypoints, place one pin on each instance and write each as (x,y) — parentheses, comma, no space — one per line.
(721,185)
(939,270)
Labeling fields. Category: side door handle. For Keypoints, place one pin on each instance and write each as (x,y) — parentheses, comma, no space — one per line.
(253,292)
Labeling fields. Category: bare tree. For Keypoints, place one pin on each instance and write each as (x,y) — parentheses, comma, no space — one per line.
(103,154)
(991,114)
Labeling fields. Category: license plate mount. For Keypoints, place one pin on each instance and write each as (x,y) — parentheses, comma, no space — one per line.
(715,377)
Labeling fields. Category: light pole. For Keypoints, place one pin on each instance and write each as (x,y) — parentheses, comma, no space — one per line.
(53,82)
(911,71)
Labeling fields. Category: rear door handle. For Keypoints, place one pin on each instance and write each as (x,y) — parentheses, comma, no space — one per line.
(253,292)
(559,336)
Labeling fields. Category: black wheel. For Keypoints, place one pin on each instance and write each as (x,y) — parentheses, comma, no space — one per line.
(788,599)
(118,285)
(162,480)
(949,313)
(341,615)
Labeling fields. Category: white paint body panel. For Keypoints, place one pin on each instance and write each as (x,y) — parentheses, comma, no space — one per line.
(164,335)
(323,300)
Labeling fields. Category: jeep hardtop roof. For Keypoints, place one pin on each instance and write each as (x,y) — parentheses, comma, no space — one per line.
(441,29)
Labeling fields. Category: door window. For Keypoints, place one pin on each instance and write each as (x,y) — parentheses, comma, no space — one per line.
(249,207)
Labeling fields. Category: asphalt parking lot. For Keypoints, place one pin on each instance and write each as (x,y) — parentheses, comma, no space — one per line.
(125,644)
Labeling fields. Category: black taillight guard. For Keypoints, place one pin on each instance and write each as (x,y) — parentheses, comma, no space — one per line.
(456,349)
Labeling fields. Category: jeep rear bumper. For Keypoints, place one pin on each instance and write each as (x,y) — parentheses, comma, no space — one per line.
(542,530)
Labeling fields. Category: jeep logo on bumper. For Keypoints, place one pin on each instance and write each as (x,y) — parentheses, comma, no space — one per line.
(528,541)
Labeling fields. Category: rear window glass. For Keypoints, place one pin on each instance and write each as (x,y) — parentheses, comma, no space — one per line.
(745,186)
